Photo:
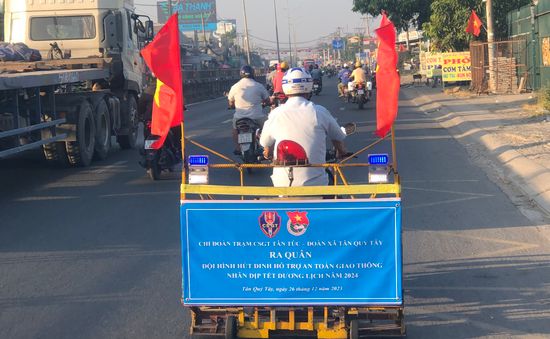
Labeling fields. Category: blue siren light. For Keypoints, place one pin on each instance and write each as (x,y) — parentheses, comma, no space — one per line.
(198,160)
(378,159)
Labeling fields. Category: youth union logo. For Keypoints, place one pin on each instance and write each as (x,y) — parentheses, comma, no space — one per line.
(297,223)
(270,223)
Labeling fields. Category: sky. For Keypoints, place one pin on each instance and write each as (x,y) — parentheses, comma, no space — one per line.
(309,19)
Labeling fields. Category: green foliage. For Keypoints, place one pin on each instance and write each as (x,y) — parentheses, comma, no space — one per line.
(544,98)
(403,13)
(449,18)
(447,27)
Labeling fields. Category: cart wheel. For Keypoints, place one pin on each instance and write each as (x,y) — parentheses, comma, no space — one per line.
(354,329)
(230,327)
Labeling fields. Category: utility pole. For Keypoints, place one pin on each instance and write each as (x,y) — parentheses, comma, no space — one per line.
(169,8)
(491,46)
(246,34)
(204,35)
(277,32)
(295,44)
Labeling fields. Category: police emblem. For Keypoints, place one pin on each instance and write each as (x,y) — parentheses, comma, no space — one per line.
(270,223)
(297,223)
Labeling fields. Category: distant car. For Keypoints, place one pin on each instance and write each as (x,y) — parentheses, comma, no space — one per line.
(307,63)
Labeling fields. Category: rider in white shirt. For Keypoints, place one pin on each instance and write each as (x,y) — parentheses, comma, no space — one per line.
(305,123)
(247,97)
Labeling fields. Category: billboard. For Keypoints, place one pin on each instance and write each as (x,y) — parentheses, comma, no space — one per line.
(428,62)
(191,14)
(341,252)
(456,66)
(337,44)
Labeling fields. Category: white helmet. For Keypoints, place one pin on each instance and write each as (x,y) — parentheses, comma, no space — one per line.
(297,81)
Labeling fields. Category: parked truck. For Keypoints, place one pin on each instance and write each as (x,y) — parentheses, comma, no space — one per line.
(86,88)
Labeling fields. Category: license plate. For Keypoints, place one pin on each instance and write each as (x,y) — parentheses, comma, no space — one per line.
(315,86)
(245,138)
(360,91)
(148,144)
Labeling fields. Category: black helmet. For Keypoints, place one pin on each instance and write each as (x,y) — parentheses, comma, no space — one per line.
(247,72)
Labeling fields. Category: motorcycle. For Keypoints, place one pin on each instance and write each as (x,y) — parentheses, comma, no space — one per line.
(248,138)
(277,99)
(331,155)
(361,95)
(157,160)
(317,86)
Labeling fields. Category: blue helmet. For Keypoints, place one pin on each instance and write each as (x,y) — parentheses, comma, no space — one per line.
(247,72)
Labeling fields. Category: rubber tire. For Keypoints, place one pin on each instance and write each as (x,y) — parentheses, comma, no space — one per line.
(56,152)
(361,102)
(81,151)
(354,329)
(102,131)
(230,327)
(129,141)
(154,170)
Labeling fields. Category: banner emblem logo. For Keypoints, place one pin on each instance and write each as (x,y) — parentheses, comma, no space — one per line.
(270,223)
(297,223)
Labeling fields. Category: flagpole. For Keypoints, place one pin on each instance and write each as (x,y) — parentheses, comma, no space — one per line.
(394,158)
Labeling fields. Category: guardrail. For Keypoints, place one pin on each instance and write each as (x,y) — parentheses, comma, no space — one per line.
(210,84)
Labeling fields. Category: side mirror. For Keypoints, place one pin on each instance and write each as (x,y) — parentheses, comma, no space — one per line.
(349,128)
(149,30)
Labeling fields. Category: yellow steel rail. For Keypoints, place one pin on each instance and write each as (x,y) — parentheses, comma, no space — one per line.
(291,191)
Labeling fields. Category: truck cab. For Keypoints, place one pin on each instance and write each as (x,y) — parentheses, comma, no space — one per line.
(82,29)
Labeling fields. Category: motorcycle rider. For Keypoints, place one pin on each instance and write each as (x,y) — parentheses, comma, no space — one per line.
(343,77)
(316,74)
(247,97)
(358,75)
(278,78)
(145,115)
(305,123)
(269,78)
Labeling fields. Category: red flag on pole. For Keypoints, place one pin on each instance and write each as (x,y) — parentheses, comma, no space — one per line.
(387,78)
(162,56)
(474,24)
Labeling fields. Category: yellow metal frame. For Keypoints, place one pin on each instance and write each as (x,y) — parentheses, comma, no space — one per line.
(251,326)
(242,190)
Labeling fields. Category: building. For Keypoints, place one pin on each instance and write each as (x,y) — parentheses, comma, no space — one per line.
(226,26)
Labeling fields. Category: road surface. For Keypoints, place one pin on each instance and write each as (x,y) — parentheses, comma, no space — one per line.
(95,252)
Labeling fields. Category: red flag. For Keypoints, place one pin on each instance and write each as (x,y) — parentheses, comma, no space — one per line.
(387,78)
(162,56)
(474,24)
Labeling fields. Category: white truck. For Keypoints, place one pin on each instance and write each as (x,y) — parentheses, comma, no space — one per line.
(85,90)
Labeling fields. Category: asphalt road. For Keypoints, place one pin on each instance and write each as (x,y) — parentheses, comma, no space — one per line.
(94,252)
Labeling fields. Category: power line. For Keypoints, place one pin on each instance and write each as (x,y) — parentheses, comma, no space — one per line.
(298,43)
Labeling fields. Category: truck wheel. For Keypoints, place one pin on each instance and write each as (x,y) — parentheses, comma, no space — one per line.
(129,140)
(102,131)
(230,327)
(81,151)
(56,152)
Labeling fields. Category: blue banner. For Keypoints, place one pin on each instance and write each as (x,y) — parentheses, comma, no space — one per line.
(326,252)
(191,14)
